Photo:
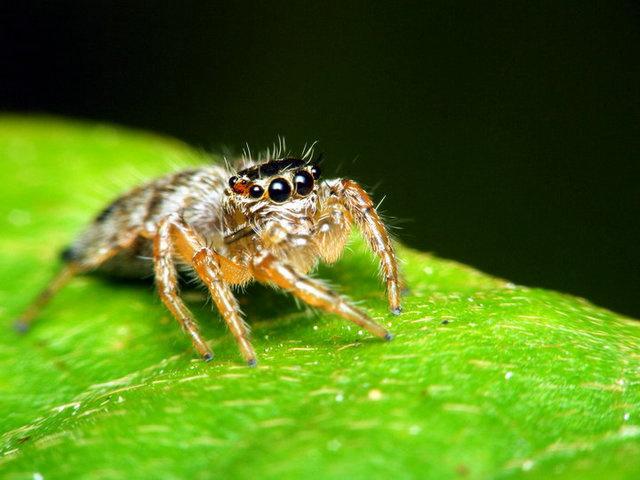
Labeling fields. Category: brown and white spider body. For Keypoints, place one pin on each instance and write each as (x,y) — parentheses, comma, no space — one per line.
(272,221)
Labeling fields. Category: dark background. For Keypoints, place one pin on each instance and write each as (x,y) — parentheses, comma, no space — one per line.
(506,136)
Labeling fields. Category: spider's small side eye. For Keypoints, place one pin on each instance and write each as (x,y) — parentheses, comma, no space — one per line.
(279,190)
(232,181)
(303,182)
(256,191)
(316,171)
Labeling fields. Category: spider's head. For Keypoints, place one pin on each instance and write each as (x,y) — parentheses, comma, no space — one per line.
(276,181)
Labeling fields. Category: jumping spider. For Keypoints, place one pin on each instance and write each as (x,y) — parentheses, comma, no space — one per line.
(271,221)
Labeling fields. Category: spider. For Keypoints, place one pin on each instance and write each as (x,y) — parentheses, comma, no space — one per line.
(270,221)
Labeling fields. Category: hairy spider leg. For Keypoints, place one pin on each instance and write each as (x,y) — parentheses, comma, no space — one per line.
(166,279)
(70,270)
(24,322)
(174,235)
(268,269)
(360,206)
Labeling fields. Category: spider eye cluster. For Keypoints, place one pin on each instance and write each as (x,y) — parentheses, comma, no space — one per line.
(279,189)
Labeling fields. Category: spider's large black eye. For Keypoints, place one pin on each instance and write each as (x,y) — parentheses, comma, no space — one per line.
(316,171)
(256,191)
(279,190)
(303,181)
(232,181)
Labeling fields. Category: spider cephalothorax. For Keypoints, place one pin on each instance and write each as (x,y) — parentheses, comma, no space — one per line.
(271,221)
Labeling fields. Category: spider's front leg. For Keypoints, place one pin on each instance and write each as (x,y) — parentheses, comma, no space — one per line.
(176,236)
(360,206)
(267,268)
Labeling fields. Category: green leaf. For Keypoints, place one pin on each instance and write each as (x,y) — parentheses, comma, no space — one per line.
(485,379)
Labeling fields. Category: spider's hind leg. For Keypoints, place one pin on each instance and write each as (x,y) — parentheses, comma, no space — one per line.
(23,323)
(75,264)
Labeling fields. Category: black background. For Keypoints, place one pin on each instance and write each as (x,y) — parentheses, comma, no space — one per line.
(503,135)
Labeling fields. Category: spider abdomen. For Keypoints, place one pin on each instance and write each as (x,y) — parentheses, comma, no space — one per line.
(130,222)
